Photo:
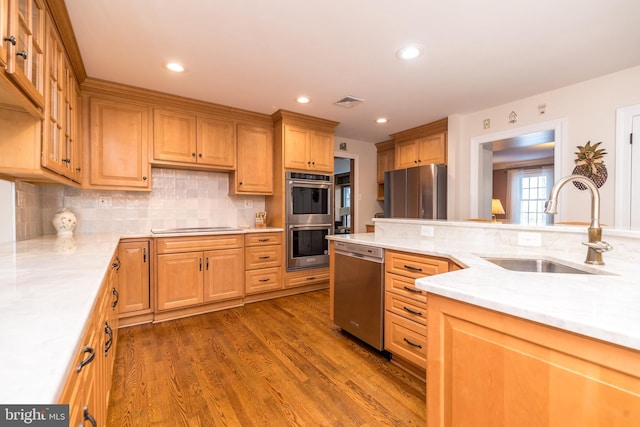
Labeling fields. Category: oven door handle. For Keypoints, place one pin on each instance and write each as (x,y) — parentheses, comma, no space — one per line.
(309,227)
(311,184)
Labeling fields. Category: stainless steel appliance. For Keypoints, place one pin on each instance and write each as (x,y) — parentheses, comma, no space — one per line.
(309,198)
(307,246)
(309,219)
(419,192)
(359,291)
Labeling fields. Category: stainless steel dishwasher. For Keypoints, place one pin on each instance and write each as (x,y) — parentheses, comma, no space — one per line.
(358,298)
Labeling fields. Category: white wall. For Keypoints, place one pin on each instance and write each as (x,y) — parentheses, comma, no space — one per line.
(365,176)
(7,212)
(590,110)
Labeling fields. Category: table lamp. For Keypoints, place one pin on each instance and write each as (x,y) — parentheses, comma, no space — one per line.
(496,209)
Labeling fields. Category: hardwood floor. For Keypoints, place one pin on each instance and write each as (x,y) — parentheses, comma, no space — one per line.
(273,363)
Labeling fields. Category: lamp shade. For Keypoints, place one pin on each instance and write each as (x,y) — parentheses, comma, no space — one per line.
(345,211)
(496,207)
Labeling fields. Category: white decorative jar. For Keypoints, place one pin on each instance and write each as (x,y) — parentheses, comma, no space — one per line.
(64,222)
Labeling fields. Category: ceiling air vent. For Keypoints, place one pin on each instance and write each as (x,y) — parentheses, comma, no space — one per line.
(349,101)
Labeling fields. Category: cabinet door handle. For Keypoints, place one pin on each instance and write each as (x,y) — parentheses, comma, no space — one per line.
(207,263)
(417,313)
(116,298)
(412,344)
(200,259)
(109,342)
(10,39)
(22,54)
(412,268)
(264,257)
(263,240)
(263,280)
(88,359)
(116,264)
(87,416)
(144,254)
(310,278)
(415,291)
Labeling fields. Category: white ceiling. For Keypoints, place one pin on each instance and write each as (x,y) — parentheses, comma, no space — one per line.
(260,55)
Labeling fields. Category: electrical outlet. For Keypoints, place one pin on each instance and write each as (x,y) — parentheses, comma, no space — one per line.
(104,202)
(426,231)
(248,203)
(529,239)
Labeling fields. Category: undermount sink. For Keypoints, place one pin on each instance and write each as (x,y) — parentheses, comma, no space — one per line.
(537,265)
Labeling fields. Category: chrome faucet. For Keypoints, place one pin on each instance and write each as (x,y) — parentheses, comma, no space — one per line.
(595,245)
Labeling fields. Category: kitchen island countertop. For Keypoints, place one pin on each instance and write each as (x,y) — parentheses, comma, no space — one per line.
(601,306)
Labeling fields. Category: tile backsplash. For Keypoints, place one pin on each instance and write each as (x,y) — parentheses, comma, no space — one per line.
(179,198)
(28,203)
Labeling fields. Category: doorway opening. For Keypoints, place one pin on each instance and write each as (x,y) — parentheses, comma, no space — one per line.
(513,141)
(343,201)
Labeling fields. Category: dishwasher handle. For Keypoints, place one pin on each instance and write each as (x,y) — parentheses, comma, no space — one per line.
(360,256)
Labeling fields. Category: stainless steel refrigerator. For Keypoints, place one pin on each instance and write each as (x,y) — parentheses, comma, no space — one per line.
(419,192)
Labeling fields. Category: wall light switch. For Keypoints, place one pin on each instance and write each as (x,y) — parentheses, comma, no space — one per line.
(529,239)
(487,123)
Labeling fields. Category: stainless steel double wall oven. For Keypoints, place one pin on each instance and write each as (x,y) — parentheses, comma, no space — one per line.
(309,201)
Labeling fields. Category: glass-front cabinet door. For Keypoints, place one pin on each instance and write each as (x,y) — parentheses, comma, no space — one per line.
(25,58)
(4,32)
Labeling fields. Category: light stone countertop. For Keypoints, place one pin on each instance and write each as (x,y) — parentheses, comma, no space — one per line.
(48,286)
(605,307)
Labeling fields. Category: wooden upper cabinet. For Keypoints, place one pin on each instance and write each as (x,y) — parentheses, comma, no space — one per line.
(174,136)
(61,150)
(386,162)
(4,31)
(321,150)
(308,149)
(25,50)
(254,174)
(421,151)
(180,137)
(216,142)
(422,145)
(118,142)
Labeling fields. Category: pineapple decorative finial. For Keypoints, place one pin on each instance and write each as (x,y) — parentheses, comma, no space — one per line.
(590,163)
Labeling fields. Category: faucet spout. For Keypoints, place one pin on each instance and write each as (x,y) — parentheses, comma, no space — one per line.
(595,246)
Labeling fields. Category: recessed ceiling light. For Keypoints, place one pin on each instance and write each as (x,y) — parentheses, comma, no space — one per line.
(303,100)
(381,120)
(174,66)
(409,52)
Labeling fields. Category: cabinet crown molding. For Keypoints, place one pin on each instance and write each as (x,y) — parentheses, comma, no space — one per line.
(438,126)
(290,117)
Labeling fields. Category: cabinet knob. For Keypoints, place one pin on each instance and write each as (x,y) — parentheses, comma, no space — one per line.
(10,39)
(240,183)
(66,161)
(200,155)
(23,54)
(144,178)
(193,154)
(78,169)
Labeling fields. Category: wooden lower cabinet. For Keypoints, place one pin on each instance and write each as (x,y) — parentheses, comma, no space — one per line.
(89,381)
(134,284)
(307,277)
(198,274)
(487,368)
(405,331)
(263,262)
